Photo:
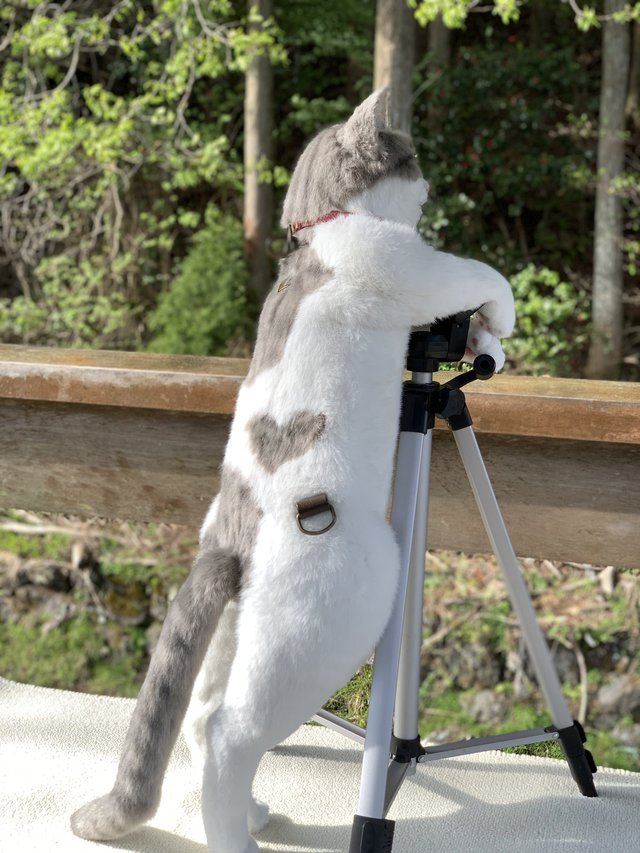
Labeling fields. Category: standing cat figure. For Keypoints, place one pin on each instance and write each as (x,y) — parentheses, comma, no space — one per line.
(273,619)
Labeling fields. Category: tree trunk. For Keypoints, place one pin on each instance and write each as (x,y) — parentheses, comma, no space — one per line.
(440,43)
(605,353)
(393,59)
(258,155)
(439,39)
(633,96)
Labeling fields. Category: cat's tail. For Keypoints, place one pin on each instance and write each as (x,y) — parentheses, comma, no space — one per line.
(164,697)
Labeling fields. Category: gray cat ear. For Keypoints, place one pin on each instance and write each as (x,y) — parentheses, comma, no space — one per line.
(361,130)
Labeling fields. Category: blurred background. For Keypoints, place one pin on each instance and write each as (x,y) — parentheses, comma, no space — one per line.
(145,149)
(131,131)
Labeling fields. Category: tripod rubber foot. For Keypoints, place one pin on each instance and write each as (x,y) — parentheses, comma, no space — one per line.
(580,760)
(371,835)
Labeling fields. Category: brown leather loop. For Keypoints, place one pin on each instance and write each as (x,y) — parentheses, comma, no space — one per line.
(314,505)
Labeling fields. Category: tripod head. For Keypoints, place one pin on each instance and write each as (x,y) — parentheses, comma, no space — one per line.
(445,340)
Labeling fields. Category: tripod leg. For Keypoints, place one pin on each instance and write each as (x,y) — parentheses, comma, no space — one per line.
(405,723)
(571,735)
(371,832)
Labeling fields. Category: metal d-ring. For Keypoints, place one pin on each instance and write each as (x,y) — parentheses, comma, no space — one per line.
(315,505)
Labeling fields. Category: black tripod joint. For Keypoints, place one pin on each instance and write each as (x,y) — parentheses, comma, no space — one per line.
(419,403)
(422,403)
(452,407)
(404,751)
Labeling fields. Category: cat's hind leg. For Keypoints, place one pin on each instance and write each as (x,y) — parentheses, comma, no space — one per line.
(208,693)
(308,618)
(211,683)
(164,696)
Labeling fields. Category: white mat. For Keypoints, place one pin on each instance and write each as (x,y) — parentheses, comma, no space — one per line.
(58,749)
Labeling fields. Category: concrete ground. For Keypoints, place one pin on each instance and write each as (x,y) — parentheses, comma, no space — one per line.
(58,749)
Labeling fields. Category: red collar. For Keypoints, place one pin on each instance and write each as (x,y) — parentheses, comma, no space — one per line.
(333,214)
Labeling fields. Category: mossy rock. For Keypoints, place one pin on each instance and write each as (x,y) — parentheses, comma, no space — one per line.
(127,602)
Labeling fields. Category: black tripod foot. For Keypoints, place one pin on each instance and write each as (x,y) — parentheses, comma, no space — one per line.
(371,835)
(580,760)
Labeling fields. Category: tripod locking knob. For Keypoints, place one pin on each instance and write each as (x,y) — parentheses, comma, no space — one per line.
(484,366)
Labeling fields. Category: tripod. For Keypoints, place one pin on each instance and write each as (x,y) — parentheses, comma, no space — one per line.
(392,747)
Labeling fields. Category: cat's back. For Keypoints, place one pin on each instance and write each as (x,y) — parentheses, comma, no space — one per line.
(300,275)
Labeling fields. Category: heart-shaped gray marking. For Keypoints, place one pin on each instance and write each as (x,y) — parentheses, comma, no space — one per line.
(275,444)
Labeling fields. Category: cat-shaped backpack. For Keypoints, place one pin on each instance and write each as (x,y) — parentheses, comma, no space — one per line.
(273,619)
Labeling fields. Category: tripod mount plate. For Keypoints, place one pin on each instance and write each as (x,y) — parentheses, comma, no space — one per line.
(445,340)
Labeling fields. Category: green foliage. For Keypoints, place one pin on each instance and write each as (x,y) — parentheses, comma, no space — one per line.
(455,12)
(627,187)
(70,311)
(110,678)
(329,69)
(352,701)
(121,124)
(89,651)
(587,18)
(54,545)
(610,753)
(115,123)
(206,305)
(552,326)
(545,749)
(496,141)
(68,657)
(506,140)
(309,113)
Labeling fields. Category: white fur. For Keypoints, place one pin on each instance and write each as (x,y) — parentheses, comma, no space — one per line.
(393,198)
(314,607)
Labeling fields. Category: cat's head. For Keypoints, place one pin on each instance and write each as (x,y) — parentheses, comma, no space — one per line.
(362,166)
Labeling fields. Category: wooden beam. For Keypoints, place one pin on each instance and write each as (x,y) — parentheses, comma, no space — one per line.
(181,383)
(542,406)
(561,499)
(141,436)
(115,462)
(505,405)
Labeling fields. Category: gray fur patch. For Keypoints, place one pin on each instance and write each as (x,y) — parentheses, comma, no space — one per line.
(214,580)
(238,516)
(300,274)
(274,445)
(345,160)
(192,617)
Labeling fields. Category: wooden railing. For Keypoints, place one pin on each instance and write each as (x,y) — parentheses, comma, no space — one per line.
(141,436)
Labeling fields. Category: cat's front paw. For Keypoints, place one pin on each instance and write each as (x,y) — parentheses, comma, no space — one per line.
(498,317)
(105,819)
(480,341)
(498,312)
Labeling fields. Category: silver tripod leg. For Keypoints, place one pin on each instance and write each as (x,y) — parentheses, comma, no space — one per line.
(389,758)
(414,457)
(518,592)
(405,721)
(396,675)
(570,732)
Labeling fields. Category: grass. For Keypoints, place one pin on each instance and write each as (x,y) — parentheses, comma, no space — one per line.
(464,603)
(73,656)
(352,701)
(54,546)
